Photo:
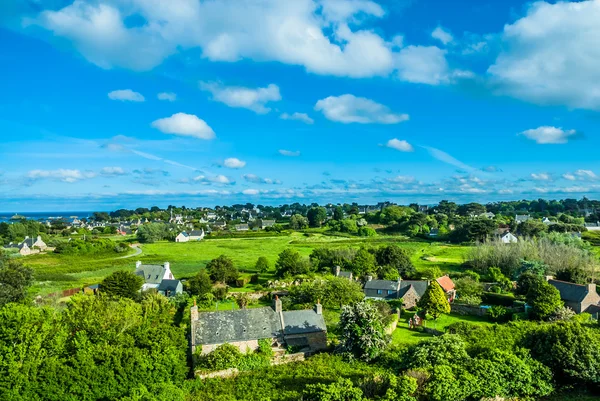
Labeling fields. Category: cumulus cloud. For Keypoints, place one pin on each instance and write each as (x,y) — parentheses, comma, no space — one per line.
(581,175)
(216,179)
(126,95)
(551,55)
(233,162)
(401,179)
(541,176)
(253,99)
(184,125)
(322,36)
(113,171)
(423,65)
(549,135)
(442,35)
(259,180)
(251,191)
(351,109)
(64,175)
(289,153)
(168,96)
(400,145)
(297,116)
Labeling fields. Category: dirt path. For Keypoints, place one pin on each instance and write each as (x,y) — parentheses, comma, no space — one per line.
(138,251)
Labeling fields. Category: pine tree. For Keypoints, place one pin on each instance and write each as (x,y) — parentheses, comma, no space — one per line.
(434,301)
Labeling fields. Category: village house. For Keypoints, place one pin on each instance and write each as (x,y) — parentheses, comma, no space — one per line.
(29,245)
(219,225)
(267,223)
(241,227)
(448,286)
(593,226)
(579,297)
(521,218)
(195,235)
(170,288)
(243,328)
(508,238)
(338,272)
(154,275)
(410,291)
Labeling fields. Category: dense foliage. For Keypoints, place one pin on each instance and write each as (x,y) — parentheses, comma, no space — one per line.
(15,280)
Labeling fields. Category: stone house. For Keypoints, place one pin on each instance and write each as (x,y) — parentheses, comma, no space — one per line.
(448,286)
(581,298)
(410,291)
(153,275)
(243,328)
(29,245)
(338,272)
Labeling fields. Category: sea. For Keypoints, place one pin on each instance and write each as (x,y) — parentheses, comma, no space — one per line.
(45,216)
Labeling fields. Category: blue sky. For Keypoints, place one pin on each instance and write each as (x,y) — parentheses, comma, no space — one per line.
(127,103)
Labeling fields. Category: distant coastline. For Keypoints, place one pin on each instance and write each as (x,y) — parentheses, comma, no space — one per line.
(6,216)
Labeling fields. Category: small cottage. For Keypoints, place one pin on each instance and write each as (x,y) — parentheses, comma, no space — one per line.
(579,297)
(154,275)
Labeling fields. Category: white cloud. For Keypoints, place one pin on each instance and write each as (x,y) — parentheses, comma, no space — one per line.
(541,176)
(184,125)
(551,55)
(217,179)
(168,96)
(569,176)
(423,65)
(233,162)
(259,180)
(297,116)
(113,171)
(323,36)
(402,179)
(253,99)
(64,175)
(351,109)
(442,35)
(126,95)
(400,145)
(251,191)
(581,175)
(549,135)
(289,153)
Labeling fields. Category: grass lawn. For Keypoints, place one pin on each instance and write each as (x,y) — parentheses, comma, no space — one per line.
(403,335)
(56,272)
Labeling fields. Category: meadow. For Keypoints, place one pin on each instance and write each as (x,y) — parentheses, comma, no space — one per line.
(55,272)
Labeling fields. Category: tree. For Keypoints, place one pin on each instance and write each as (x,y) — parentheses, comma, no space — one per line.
(338,213)
(478,229)
(200,284)
(496,276)
(366,232)
(467,287)
(316,216)
(290,263)
(340,390)
(15,280)
(362,332)
(526,281)
(242,300)
(262,265)
(363,262)
(544,300)
(222,269)
(532,228)
(395,257)
(298,222)
(434,301)
(340,291)
(122,284)
(348,226)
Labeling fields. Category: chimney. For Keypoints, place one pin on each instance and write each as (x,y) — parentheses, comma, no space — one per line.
(548,278)
(591,288)
(138,264)
(167,266)
(369,278)
(336,271)
(39,237)
(319,308)
(277,303)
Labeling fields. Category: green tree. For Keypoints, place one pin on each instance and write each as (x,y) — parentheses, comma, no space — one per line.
(467,287)
(316,216)
(298,222)
(15,280)
(340,390)
(338,213)
(122,284)
(363,262)
(526,281)
(340,291)
(544,300)
(367,232)
(222,269)
(434,301)
(262,265)
(348,226)
(362,332)
(395,257)
(200,284)
(532,228)
(290,263)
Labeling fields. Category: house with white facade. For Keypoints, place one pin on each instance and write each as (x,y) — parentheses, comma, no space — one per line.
(154,275)
(194,235)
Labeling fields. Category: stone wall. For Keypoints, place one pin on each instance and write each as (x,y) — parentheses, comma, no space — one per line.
(316,341)
(244,346)
(471,310)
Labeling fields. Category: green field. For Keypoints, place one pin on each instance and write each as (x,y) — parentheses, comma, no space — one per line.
(56,272)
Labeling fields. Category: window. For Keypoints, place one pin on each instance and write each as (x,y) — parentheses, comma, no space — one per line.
(390,292)
(379,291)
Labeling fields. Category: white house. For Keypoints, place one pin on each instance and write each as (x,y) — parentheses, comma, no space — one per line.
(520,218)
(153,275)
(509,238)
(593,226)
(195,235)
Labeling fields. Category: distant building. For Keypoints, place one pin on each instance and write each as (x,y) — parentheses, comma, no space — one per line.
(593,226)
(508,238)
(241,227)
(29,245)
(154,275)
(338,272)
(243,328)
(195,235)
(410,291)
(448,286)
(521,218)
(170,288)
(267,223)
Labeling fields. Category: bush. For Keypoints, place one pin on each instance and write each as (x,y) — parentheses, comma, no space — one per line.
(489,298)
(498,313)
(225,356)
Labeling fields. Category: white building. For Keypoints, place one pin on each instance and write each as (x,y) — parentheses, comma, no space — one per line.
(153,275)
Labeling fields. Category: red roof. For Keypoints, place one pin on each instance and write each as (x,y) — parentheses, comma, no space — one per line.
(446,283)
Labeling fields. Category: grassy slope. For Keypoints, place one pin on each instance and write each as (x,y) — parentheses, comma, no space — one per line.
(61,272)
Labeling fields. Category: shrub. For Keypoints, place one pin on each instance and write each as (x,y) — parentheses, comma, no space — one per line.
(225,356)
(489,298)
(497,313)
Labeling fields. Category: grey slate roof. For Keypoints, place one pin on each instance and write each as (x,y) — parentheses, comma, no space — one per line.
(345,274)
(152,274)
(196,233)
(420,287)
(381,285)
(169,285)
(303,321)
(237,325)
(570,291)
